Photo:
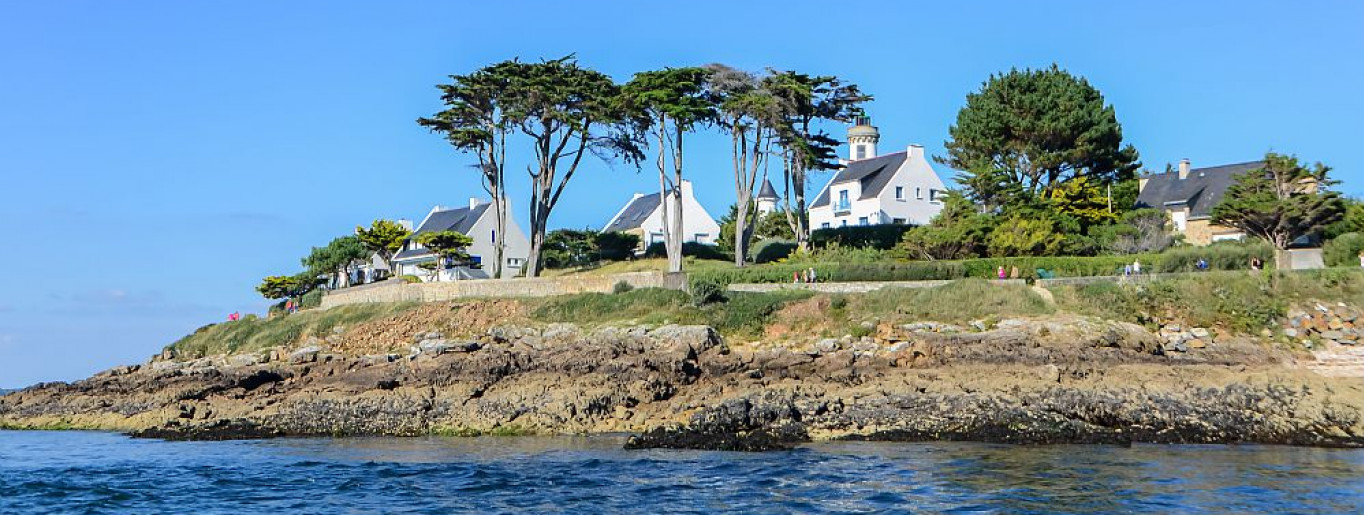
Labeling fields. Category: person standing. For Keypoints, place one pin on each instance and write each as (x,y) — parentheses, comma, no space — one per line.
(813,275)
(1136,267)
(1361,259)
(1000,272)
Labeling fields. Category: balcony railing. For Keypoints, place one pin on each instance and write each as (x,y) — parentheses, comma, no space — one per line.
(842,208)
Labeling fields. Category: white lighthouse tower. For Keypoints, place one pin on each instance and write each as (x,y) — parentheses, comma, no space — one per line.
(862,138)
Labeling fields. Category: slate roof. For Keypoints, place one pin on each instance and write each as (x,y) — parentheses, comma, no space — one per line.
(461,220)
(634,213)
(1201,190)
(872,173)
(767,191)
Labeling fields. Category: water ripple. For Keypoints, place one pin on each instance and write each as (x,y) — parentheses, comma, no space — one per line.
(91,472)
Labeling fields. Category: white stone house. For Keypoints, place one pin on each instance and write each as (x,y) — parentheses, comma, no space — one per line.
(871,189)
(478,221)
(643,217)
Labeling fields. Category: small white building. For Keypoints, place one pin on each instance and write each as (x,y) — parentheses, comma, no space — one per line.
(642,216)
(478,221)
(871,189)
(767,198)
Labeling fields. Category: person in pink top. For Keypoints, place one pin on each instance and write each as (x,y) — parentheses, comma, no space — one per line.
(1001,271)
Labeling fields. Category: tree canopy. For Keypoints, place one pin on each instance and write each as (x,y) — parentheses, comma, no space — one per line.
(1281,202)
(449,245)
(1028,132)
(385,237)
(336,256)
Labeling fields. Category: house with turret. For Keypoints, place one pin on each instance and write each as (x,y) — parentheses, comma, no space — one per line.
(896,188)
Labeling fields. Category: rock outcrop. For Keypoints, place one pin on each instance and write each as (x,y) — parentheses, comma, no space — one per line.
(1061,380)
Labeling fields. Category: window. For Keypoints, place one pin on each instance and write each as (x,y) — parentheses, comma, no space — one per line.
(932,195)
(861,151)
(899,193)
(919,193)
(514,262)
(824,225)
(843,204)
(842,223)
(897,221)
(861,220)
(492,236)
(700,237)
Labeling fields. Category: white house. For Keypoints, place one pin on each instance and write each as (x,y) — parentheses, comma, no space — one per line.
(478,221)
(642,216)
(897,188)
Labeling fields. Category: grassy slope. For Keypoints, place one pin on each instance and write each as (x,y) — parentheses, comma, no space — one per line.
(251,333)
(1237,301)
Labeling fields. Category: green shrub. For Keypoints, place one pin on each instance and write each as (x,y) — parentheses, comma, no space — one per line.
(310,300)
(1344,250)
(410,279)
(880,237)
(706,289)
(771,250)
(690,248)
(1227,255)
(621,287)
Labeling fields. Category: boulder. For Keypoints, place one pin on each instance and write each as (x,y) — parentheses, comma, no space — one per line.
(827,345)
(1333,335)
(1196,343)
(1051,373)
(305,355)
(243,360)
(1200,332)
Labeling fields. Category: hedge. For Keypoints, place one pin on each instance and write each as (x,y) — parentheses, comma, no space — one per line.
(881,237)
(1229,256)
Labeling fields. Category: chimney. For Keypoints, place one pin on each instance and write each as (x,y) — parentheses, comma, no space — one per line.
(473,202)
(686,188)
(915,151)
(405,224)
(1183,168)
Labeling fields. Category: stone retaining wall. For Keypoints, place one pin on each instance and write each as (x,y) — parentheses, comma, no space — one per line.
(399,291)
(852,287)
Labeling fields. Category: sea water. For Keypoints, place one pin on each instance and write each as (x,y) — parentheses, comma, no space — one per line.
(97,472)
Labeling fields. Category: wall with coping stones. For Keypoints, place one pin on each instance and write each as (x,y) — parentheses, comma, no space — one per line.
(399,291)
(853,287)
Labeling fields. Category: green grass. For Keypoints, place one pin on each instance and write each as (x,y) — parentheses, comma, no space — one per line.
(252,334)
(740,314)
(1240,301)
(958,301)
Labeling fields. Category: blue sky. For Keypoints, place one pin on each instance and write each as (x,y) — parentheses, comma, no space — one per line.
(159,158)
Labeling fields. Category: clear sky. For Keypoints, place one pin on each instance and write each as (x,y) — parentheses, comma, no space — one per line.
(158,158)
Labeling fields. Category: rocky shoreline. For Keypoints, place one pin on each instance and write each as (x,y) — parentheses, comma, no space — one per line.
(1025,381)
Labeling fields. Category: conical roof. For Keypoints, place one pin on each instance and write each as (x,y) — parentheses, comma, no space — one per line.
(767,191)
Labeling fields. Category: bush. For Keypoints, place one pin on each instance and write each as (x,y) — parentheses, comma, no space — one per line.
(836,253)
(690,248)
(621,287)
(311,299)
(1344,250)
(410,279)
(1227,255)
(706,289)
(771,250)
(826,271)
(880,237)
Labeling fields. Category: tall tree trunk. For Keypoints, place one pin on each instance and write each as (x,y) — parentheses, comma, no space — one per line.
(675,253)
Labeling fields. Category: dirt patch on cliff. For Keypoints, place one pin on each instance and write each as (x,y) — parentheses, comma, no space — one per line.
(801,319)
(455,319)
